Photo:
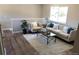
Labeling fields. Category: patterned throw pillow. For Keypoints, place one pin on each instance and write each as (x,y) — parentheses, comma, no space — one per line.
(51,25)
(69,30)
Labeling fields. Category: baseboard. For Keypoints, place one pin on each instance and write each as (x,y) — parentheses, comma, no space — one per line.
(11,29)
(7,29)
(17,32)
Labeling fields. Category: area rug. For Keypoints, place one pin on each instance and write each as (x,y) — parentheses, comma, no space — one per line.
(53,48)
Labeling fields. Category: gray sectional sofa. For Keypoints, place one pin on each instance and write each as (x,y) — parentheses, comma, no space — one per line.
(60,30)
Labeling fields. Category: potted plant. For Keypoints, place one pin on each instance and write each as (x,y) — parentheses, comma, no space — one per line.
(24,26)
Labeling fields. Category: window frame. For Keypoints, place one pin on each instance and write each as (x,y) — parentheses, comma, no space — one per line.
(58,12)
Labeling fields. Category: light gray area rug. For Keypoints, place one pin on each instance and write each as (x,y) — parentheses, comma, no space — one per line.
(39,43)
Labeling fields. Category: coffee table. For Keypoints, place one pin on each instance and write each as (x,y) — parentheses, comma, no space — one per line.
(48,34)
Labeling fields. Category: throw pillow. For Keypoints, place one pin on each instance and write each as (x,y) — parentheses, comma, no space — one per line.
(34,24)
(56,26)
(69,30)
(65,29)
(50,25)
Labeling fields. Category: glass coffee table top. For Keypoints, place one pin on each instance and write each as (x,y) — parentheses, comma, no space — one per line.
(48,34)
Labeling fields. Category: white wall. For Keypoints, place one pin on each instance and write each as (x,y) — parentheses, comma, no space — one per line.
(7,12)
(73,15)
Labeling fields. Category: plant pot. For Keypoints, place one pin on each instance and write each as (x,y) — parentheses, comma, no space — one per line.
(24,31)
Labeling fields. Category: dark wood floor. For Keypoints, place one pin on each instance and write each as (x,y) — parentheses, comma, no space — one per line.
(16,44)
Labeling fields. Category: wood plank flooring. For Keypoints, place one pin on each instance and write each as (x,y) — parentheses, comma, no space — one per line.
(15,44)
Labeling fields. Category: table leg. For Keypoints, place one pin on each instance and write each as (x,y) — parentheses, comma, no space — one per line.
(37,32)
(47,41)
(55,39)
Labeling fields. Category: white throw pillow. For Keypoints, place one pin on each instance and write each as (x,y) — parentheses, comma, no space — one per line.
(34,24)
(61,27)
(55,26)
(65,29)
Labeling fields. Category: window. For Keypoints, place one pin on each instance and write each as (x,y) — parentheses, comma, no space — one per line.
(58,14)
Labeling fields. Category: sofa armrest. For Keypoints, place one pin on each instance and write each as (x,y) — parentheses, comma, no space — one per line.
(72,35)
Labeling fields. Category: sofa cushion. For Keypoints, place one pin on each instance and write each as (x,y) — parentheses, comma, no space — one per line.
(62,34)
(59,33)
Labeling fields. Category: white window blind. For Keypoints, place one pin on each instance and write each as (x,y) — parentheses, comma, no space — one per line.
(58,14)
